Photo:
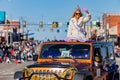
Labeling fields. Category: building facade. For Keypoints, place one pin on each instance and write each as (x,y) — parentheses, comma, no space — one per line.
(8,29)
(112,23)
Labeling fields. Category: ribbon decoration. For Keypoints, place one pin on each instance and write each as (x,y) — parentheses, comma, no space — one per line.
(79,28)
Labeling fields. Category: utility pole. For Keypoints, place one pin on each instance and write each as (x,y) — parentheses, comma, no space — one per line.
(7,25)
(105,25)
(90,29)
(11,40)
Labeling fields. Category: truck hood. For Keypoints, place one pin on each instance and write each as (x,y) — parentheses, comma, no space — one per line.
(78,66)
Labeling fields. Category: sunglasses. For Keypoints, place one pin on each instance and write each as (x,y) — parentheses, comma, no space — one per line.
(77,13)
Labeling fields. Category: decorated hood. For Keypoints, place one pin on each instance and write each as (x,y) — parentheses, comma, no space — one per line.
(78,66)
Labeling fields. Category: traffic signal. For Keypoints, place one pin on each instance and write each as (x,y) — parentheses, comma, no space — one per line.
(58,30)
(24,23)
(67,24)
(21,36)
(65,30)
(98,24)
(41,24)
(55,24)
(51,30)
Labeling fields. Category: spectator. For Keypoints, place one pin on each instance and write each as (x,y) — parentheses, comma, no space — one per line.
(94,35)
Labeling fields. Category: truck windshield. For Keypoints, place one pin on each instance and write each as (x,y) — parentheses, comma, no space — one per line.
(79,51)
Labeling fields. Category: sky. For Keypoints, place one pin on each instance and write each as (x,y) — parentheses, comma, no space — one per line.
(34,11)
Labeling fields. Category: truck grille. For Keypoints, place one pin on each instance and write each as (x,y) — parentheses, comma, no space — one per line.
(45,73)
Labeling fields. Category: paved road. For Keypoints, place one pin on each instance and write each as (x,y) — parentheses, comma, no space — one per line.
(7,70)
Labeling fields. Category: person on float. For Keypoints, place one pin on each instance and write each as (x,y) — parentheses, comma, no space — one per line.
(75,30)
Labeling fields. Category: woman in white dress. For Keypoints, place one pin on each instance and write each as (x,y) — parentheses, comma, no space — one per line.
(75,30)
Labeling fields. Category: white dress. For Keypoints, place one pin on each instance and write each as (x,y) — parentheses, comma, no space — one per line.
(74,29)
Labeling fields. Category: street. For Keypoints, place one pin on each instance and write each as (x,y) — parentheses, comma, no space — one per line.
(7,70)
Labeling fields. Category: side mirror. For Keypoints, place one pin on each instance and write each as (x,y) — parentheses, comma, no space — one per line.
(18,75)
(35,57)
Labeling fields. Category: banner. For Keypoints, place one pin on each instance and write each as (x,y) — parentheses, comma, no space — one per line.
(2,17)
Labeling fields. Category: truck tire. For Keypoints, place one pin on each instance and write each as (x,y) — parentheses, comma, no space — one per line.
(89,78)
(79,76)
(116,76)
(18,75)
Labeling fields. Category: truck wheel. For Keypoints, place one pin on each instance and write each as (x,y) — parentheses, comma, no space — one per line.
(89,78)
(82,77)
(116,77)
(78,77)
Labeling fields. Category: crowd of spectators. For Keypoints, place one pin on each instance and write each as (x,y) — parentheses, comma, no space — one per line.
(18,53)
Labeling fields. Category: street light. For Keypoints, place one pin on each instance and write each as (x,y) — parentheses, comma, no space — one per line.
(8,24)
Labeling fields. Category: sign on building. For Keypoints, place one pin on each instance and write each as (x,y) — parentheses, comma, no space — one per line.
(2,17)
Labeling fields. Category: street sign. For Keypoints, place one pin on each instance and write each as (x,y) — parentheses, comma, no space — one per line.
(27,34)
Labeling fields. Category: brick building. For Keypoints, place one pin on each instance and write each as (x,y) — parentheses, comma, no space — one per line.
(112,22)
(6,31)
